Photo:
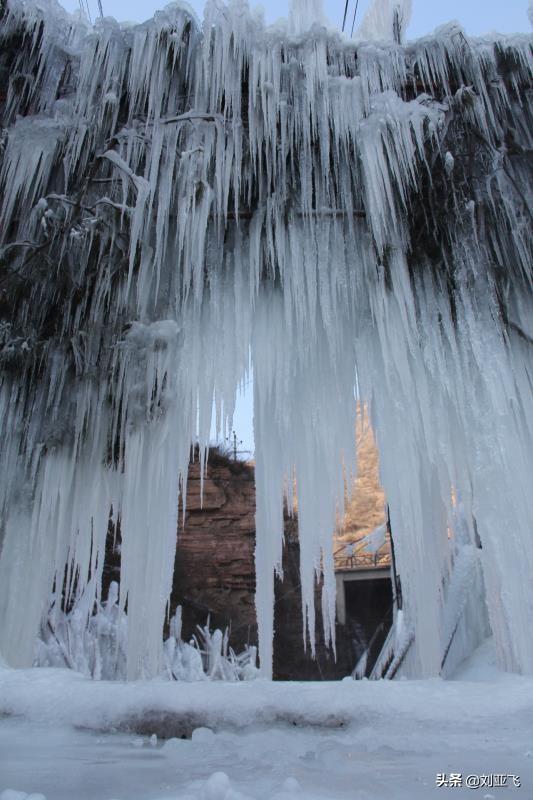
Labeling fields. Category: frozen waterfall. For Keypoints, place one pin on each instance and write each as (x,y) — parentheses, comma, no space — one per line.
(350,218)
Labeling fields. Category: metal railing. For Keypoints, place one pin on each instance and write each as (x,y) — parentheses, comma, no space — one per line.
(361,558)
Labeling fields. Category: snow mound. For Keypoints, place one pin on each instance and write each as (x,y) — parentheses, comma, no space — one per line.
(481,665)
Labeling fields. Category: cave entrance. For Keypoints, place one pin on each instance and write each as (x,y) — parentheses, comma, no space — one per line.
(365,609)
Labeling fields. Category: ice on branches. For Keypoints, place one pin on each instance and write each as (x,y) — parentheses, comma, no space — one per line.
(92,638)
(352,217)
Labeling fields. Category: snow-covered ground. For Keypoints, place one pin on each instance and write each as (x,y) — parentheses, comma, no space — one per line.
(70,738)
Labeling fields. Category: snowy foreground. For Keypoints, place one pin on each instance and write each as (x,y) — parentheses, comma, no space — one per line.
(64,736)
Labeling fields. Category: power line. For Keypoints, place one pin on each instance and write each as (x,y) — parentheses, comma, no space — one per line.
(354,15)
(86,9)
(345,12)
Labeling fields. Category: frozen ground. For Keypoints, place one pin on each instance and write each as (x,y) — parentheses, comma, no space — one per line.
(68,738)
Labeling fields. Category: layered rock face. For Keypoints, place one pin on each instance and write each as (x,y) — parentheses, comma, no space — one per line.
(214,570)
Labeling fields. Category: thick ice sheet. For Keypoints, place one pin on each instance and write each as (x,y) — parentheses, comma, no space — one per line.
(273,741)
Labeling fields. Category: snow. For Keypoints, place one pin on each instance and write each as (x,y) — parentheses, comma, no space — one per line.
(246,204)
(65,736)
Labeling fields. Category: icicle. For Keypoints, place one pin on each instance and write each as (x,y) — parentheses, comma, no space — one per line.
(183,206)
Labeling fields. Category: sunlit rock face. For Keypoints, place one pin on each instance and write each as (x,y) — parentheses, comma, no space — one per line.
(351,219)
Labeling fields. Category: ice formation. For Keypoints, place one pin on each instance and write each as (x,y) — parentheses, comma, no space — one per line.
(352,219)
(94,642)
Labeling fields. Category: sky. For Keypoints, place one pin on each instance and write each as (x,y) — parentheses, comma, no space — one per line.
(476,16)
